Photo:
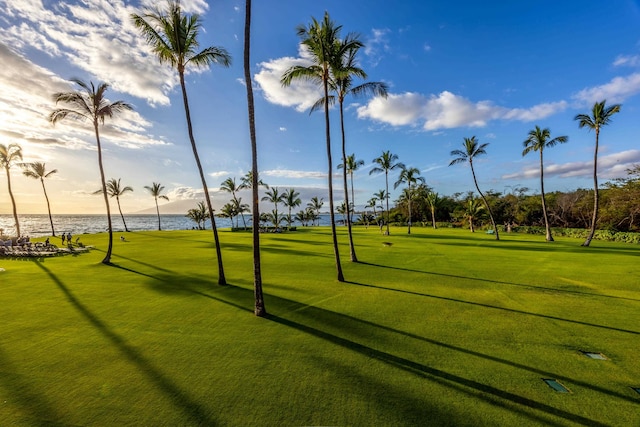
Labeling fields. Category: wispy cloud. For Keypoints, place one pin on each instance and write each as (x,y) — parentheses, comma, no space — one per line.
(627,61)
(609,166)
(377,44)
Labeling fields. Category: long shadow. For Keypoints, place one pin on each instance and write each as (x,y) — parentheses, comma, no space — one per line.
(192,409)
(20,392)
(510,310)
(234,295)
(498,282)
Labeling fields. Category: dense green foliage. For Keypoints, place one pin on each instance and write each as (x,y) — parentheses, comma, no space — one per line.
(441,326)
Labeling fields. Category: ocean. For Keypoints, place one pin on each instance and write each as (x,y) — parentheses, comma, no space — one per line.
(39,225)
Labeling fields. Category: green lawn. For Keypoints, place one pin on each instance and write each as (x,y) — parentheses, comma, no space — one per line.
(443,327)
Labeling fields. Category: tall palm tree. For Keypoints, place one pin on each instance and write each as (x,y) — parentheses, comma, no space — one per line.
(173,37)
(90,104)
(410,176)
(8,156)
(115,190)
(343,71)
(473,149)
(322,40)
(240,208)
(156,190)
(600,116)
(538,140)
(385,163)
(274,196)
(259,307)
(316,204)
(291,199)
(38,170)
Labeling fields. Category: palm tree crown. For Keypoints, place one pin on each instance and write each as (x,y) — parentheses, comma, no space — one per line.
(38,170)
(410,176)
(114,189)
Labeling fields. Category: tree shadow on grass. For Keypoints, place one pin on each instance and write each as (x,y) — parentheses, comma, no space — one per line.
(19,391)
(498,282)
(319,322)
(192,409)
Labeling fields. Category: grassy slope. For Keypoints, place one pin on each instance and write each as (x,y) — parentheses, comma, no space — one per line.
(442,327)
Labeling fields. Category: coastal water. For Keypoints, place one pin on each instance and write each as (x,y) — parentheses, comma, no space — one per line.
(39,225)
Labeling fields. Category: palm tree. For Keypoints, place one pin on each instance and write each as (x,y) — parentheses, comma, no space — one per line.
(434,201)
(156,190)
(324,46)
(259,307)
(316,204)
(385,163)
(473,149)
(410,177)
(114,190)
(199,214)
(38,170)
(600,116)
(291,200)
(240,208)
(352,165)
(174,39)
(229,185)
(538,140)
(472,211)
(372,204)
(343,70)
(274,196)
(8,156)
(90,104)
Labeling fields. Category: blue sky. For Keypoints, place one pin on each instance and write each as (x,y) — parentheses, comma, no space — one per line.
(491,69)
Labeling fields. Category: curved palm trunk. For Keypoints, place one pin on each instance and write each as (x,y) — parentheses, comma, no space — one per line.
(353,198)
(386,181)
(107,257)
(259,307)
(53,231)
(158,213)
(484,199)
(330,182)
(547,227)
(471,224)
(221,278)
(13,203)
(352,250)
(122,216)
(594,218)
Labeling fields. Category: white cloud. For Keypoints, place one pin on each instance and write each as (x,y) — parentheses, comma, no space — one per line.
(609,166)
(97,37)
(300,94)
(426,47)
(447,110)
(617,90)
(283,129)
(219,174)
(377,44)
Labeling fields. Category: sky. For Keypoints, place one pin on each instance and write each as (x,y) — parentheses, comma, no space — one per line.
(455,69)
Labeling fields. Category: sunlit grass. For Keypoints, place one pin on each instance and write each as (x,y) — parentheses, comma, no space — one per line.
(441,327)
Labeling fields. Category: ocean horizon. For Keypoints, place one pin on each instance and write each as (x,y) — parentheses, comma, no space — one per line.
(38,225)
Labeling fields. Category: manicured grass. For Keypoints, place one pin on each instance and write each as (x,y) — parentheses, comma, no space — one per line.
(443,327)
